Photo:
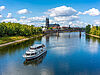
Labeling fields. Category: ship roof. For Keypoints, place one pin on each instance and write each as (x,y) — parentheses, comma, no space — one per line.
(30,51)
(36,45)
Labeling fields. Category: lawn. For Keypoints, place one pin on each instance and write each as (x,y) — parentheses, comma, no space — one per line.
(7,39)
(10,39)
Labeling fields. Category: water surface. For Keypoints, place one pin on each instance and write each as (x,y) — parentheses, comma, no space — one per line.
(67,54)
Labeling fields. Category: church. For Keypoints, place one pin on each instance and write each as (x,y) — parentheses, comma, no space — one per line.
(51,25)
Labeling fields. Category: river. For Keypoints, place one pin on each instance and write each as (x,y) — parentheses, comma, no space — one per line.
(67,54)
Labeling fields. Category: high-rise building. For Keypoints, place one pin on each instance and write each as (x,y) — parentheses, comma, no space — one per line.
(47,22)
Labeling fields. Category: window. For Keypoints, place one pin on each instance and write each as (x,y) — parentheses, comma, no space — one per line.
(32,48)
(33,53)
(39,47)
(27,54)
(42,50)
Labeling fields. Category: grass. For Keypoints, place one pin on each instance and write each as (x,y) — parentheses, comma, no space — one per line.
(8,39)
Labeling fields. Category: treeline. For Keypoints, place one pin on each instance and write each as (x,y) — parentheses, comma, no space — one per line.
(95,30)
(12,29)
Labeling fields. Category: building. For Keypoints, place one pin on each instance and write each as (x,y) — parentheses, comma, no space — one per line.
(51,25)
(64,28)
(47,22)
(54,25)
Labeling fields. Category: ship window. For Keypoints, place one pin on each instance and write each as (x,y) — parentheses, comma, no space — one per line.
(39,47)
(32,48)
(33,54)
(43,45)
(27,54)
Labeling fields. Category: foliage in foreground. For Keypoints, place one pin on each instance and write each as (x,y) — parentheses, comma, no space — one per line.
(13,29)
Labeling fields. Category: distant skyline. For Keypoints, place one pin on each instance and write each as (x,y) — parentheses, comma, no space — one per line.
(65,12)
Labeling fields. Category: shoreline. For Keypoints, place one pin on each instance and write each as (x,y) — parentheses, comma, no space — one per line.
(17,41)
(93,35)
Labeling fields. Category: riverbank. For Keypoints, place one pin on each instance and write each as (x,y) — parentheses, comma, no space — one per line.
(93,35)
(4,41)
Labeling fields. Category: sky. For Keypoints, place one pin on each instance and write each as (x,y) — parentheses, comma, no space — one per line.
(77,13)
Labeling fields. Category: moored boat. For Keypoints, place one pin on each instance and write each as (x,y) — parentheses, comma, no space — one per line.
(35,51)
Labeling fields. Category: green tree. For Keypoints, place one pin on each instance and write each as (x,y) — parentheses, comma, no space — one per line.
(50,28)
(93,30)
(88,28)
(11,29)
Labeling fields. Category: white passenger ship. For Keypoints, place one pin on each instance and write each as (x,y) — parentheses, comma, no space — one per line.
(35,51)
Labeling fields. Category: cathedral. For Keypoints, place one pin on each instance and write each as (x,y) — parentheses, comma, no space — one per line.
(51,25)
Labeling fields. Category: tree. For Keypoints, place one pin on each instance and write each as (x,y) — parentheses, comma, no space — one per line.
(93,30)
(11,29)
(88,28)
(50,28)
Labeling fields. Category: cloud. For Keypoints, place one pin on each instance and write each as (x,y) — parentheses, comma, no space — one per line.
(61,11)
(63,15)
(37,19)
(13,20)
(23,11)
(37,24)
(1,16)
(70,18)
(2,8)
(97,22)
(9,15)
(79,13)
(40,21)
(24,21)
(75,24)
(23,17)
(91,12)
(33,20)
(70,23)
(80,24)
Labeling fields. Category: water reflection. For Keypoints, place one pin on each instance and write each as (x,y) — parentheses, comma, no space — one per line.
(35,62)
(93,47)
(10,49)
(66,55)
(93,39)
(46,71)
(65,44)
(93,44)
(47,38)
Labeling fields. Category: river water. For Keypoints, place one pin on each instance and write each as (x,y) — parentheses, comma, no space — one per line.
(67,54)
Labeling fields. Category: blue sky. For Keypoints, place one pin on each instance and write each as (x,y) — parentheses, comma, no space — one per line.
(37,8)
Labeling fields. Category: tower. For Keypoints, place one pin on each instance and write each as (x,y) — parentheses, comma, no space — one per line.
(47,22)
(69,26)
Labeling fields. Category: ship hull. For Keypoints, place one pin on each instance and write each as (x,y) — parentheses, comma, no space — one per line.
(34,57)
